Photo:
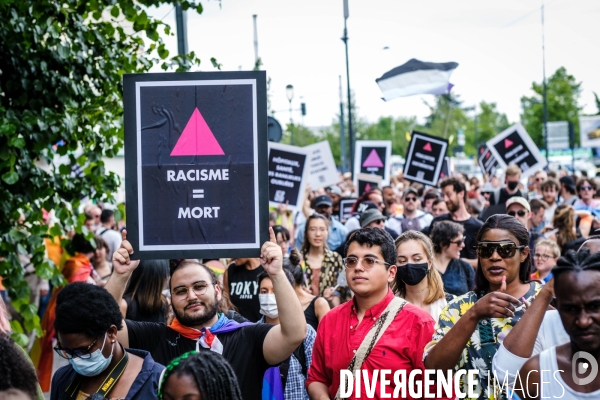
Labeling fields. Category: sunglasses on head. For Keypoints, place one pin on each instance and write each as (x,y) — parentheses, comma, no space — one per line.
(520,213)
(504,249)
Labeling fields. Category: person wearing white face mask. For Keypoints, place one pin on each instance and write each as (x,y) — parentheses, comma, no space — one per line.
(87,321)
(292,373)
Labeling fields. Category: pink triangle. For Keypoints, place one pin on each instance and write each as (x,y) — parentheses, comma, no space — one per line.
(507,143)
(427,147)
(487,155)
(368,187)
(197,139)
(373,160)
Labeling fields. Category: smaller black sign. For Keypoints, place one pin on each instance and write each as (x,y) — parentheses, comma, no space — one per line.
(346,208)
(487,162)
(286,169)
(424,158)
(366,182)
(515,146)
(445,168)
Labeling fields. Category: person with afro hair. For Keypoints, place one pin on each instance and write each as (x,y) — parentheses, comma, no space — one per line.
(87,321)
(17,376)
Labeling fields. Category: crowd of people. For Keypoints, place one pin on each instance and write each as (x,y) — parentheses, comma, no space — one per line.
(475,274)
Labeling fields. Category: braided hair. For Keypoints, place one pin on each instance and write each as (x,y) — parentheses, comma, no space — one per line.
(211,372)
(579,261)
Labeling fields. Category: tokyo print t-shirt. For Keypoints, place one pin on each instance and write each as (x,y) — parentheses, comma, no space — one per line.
(243,290)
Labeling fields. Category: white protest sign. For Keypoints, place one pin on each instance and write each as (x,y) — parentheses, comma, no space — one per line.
(321,167)
(373,157)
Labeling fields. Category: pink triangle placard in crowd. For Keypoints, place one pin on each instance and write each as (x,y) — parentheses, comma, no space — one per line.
(197,139)
(427,147)
(373,160)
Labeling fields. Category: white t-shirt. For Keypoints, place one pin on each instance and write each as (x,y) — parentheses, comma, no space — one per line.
(551,333)
(553,385)
(112,238)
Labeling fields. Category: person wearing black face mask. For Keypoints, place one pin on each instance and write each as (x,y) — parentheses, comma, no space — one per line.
(417,280)
(512,180)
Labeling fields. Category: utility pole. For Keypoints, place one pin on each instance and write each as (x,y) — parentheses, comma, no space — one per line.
(545,99)
(342,130)
(350,131)
(255,41)
(181,22)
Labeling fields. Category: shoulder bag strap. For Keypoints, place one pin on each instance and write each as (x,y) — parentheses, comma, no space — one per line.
(375,333)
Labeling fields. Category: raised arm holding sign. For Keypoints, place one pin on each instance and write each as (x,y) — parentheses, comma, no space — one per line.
(195,293)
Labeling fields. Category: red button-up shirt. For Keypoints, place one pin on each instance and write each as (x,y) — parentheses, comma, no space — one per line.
(400,348)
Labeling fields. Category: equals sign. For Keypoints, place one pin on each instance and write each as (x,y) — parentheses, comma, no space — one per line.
(198,193)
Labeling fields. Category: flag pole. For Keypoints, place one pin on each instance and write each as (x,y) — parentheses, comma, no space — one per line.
(350,130)
(544,94)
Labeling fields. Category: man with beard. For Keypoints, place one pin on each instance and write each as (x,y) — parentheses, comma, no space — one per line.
(577,291)
(455,195)
(250,349)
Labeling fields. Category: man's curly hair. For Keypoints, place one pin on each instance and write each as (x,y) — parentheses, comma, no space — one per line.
(16,372)
(87,309)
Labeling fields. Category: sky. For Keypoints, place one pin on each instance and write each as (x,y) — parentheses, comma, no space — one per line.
(498,45)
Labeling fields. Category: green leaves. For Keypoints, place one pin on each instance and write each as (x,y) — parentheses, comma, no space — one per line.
(10,177)
(61,98)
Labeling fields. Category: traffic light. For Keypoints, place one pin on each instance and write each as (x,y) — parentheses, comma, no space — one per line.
(303,108)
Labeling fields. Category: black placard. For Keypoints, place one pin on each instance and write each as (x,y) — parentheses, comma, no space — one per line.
(487,162)
(346,208)
(515,146)
(286,171)
(424,158)
(445,168)
(195,164)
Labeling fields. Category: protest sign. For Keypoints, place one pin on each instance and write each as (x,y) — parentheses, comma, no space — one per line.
(515,146)
(487,162)
(287,166)
(195,164)
(424,158)
(321,167)
(445,173)
(366,182)
(346,208)
(589,130)
(373,157)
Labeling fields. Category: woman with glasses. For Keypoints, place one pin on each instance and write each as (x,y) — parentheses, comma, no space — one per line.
(545,257)
(472,326)
(417,280)
(87,321)
(448,240)
(322,266)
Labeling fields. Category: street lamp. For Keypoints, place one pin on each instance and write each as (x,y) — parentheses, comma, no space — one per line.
(289,92)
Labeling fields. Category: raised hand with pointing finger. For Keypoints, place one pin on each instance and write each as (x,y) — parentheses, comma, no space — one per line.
(271,256)
(122,263)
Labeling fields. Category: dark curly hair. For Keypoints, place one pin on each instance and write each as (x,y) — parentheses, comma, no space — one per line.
(512,225)
(375,237)
(579,261)
(16,371)
(443,232)
(292,264)
(87,309)
(209,370)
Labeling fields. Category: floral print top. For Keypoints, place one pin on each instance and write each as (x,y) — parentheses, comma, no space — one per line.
(471,357)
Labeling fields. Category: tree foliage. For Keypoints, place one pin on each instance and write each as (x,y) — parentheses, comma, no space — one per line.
(562,93)
(61,96)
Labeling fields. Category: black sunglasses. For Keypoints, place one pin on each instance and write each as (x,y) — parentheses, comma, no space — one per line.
(520,213)
(410,199)
(459,241)
(504,249)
